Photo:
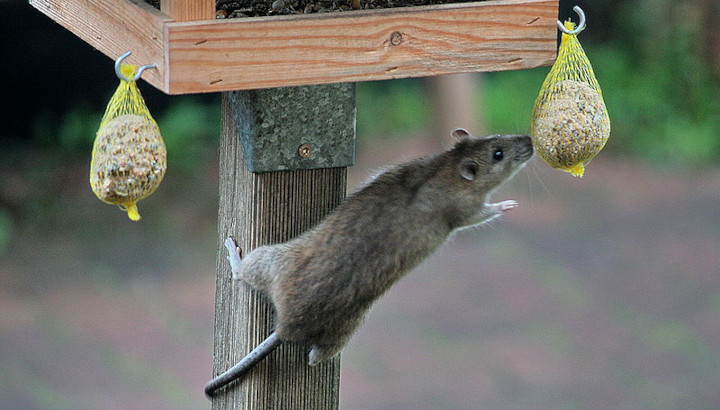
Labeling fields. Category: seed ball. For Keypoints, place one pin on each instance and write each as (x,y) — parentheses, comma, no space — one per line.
(129,160)
(571,126)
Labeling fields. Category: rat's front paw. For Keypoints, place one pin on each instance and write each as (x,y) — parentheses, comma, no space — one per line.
(234,256)
(507,205)
(494,210)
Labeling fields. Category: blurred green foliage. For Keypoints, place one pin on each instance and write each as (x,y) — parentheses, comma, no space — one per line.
(659,115)
(661,75)
(189,128)
(191,131)
(69,133)
(6,228)
(393,108)
(508,99)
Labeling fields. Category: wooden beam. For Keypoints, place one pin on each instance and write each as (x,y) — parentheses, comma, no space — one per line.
(188,10)
(264,52)
(114,27)
(278,51)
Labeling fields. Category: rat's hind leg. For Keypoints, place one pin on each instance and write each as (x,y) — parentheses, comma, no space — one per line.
(320,353)
(257,268)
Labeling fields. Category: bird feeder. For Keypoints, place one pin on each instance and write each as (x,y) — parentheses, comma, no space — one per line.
(273,71)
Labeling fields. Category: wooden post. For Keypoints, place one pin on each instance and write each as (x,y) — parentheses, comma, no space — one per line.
(260,209)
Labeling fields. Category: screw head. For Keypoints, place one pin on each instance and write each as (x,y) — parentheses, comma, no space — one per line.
(304,151)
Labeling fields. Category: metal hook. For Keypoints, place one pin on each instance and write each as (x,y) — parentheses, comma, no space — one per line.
(581,25)
(137,75)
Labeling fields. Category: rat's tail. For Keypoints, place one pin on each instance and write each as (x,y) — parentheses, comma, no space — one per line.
(247,363)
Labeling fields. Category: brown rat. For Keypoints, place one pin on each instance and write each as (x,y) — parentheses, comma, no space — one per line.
(323,282)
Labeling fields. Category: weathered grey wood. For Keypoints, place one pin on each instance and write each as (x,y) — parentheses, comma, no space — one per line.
(259,209)
(273,127)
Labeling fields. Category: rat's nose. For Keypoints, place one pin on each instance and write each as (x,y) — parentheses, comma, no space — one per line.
(524,148)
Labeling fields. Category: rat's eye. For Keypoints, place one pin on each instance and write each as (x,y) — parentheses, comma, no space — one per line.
(498,154)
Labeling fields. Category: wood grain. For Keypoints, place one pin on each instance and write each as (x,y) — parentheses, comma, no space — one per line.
(114,27)
(264,52)
(359,46)
(260,209)
(188,10)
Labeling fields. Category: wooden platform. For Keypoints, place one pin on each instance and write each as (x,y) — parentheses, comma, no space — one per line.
(262,52)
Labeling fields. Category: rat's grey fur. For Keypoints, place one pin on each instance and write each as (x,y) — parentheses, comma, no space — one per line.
(322,282)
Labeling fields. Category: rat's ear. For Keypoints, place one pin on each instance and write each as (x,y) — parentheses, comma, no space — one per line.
(468,169)
(460,133)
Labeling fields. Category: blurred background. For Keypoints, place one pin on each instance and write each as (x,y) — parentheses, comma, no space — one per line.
(597,293)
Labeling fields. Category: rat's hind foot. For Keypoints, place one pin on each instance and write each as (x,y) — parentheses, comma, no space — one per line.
(234,256)
(320,353)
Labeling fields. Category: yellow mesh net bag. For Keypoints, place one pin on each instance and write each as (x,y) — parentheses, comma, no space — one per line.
(570,123)
(129,158)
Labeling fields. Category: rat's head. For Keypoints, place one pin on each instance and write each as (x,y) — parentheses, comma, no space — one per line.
(483,163)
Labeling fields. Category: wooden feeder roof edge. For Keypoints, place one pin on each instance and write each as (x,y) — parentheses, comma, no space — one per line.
(264,52)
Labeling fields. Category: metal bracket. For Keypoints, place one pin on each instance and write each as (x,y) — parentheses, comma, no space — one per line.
(293,128)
